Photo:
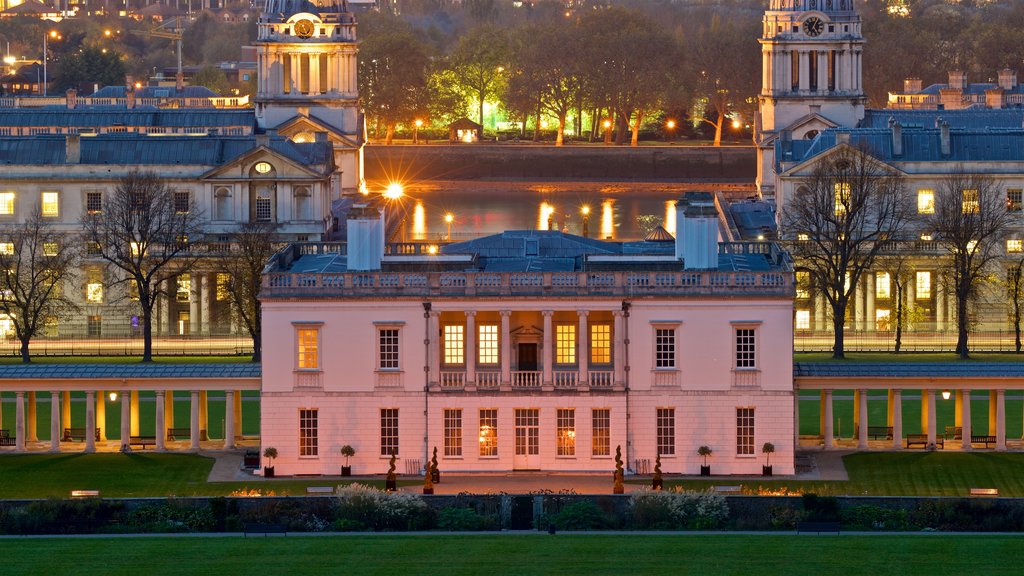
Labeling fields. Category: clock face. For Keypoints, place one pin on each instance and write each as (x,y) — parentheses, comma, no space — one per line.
(813,26)
(303,28)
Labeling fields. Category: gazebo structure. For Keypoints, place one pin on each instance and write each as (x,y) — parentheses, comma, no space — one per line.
(465,130)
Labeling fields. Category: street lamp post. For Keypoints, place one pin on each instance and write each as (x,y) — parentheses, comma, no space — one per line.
(448,219)
(586,221)
(416,131)
(670,126)
(51,34)
(607,131)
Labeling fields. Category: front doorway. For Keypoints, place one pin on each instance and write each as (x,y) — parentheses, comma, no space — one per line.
(183,322)
(527,455)
(528,356)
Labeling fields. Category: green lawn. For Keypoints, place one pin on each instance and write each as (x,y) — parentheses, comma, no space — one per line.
(13,360)
(519,555)
(907,357)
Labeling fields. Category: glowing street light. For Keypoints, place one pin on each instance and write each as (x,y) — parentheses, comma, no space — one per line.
(607,131)
(46,37)
(586,220)
(945,394)
(448,219)
(394,191)
(112,396)
(416,131)
(736,124)
(670,126)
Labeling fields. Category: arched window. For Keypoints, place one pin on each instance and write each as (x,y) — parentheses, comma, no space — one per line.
(811,135)
(222,203)
(303,203)
(262,170)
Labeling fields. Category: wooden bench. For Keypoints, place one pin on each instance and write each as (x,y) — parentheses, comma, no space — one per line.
(319,490)
(78,435)
(142,441)
(251,460)
(988,441)
(984,492)
(817,527)
(880,432)
(922,441)
(264,529)
(175,433)
(954,433)
(6,439)
(85,493)
(728,489)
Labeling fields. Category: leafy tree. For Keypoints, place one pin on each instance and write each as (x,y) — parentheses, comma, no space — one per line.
(1015,291)
(89,66)
(479,62)
(213,78)
(255,245)
(393,75)
(549,71)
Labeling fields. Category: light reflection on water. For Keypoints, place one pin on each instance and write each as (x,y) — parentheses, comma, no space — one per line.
(490,207)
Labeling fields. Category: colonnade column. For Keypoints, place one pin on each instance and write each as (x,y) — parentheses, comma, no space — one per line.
(506,348)
(470,346)
(90,422)
(229,419)
(958,408)
(66,410)
(965,418)
(862,426)
(161,426)
(126,419)
(238,414)
(856,414)
(19,422)
(869,308)
(929,414)
(897,419)
(194,422)
(168,411)
(30,418)
(1000,419)
(205,298)
(583,354)
(991,413)
(204,419)
(101,415)
(134,417)
(549,356)
(54,421)
(194,321)
(827,400)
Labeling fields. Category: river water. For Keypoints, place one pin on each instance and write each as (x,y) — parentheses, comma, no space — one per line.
(609,210)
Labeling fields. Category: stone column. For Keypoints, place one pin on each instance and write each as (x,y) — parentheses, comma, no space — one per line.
(583,353)
(930,411)
(858,305)
(897,419)
(66,410)
(30,418)
(471,346)
(822,71)
(856,415)
(965,418)
(958,407)
(126,419)
(889,407)
(101,415)
(619,357)
(991,412)
(194,422)
(869,308)
(169,409)
(548,359)
(238,414)
(204,419)
(506,348)
(862,426)
(206,296)
(19,422)
(829,440)
(135,413)
(90,422)
(229,419)
(805,71)
(160,430)
(194,321)
(1001,420)
(314,74)
(55,422)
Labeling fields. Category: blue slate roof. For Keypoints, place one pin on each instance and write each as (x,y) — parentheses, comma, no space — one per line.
(909,369)
(156,92)
(979,119)
(114,371)
(95,117)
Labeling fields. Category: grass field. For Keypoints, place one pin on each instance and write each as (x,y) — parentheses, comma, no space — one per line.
(519,555)
(14,360)
(854,357)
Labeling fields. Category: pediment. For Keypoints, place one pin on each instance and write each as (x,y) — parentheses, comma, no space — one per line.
(239,166)
(809,126)
(299,124)
(806,168)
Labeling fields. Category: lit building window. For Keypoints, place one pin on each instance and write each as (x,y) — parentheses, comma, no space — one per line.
(666,431)
(264,206)
(1014,199)
(923,285)
(308,348)
(388,345)
(803,284)
(308,432)
(601,435)
(6,203)
(565,420)
(93,202)
(94,286)
(842,194)
(926,201)
(744,431)
(454,344)
(223,293)
(882,317)
(665,348)
(565,344)
(6,248)
(803,320)
(51,248)
(452,432)
(181,201)
(883,285)
(746,356)
(969,201)
(600,344)
(51,204)
(184,288)
(488,344)
(388,431)
(1015,245)
(803,237)
(488,432)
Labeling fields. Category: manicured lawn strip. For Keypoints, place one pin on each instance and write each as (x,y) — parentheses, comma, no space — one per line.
(518,555)
(854,357)
(128,359)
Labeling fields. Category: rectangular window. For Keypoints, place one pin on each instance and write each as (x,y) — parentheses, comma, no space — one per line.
(565,344)
(601,435)
(666,432)
(488,432)
(94,326)
(923,286)
(308,432)
(308,352)
(842,194)
(454,344)
(51,248)
(93,202)
(803,320)
(7,248)
(600,344)
(94,286)
(803,284)
(1013,246)
(926,201)
(452,432)
(223,294)
(1014,199)
(565,422)
(184,288)
(488,344)
(744,431)
(181,201)
(264,208)
(665,348)
(6,203)
(882,317)
(388,341)
(388,431)
(883,286)
(51,204)
(745,352)
(969,201)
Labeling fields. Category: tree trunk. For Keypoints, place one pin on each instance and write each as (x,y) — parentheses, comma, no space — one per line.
(481,115)
(389,133)
(635,139)
(560,139)
(536,122)
(718,128)
(621,127)
(838,322)
(147,329)
(25,357)
(962,346)
(899,318)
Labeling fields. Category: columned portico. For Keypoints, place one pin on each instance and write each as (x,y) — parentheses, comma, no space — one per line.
(194,422)
(229,420)
(54,421)
(160,427)
(965,418)
(90,422)
(896,404)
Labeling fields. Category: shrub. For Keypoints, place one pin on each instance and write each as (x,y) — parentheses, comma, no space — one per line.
(54,516)
(169,517)
(874,518)
(379,510)
(821,508)
(666,510)
(464,520)
(582,515)
(294,515)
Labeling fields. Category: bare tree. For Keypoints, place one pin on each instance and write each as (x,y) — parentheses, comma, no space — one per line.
(145,231)
(244,267)
(970,220)
(36,260)
(838,221)
(901,274)
(1015,291)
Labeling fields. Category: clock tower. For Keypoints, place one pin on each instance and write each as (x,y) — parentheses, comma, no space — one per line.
(307,82)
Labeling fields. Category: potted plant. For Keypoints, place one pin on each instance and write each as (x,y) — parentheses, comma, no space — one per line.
(348,452)
(705,469)
(768,449)
(269,453)
(435,474)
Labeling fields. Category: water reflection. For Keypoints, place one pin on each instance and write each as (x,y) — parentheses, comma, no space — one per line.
(419,222)
(669,222)
(607,220)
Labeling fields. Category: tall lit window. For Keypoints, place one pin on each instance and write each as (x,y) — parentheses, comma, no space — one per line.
(925,201)
(601,434)
(923,285)
(744,431)
(93,202)
(488,432)
(666,431)
(565,344)
(882,319)
(388,431)
(565,422)
(803,284)
(746,356)
(387,339)
(51,248)
(803,320)
(184,288)
(452,432)
(51,204)
(969,201)
(6,248)
(181,201)
(308,432)
(94,286)
(883,286)
(454,344)
(1016,245)
(600,343)
(1014,198)
(842,194)
(487,344)
(6,203)
(665,348)
(264,206)
(223,294)
(308,348)
(53,282)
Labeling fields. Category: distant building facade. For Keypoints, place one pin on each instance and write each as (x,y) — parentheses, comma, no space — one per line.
(958,94)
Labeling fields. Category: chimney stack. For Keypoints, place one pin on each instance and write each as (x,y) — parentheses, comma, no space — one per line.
(944,142)
(72,149)
(71,97)
(912,85)
(958,79)
(1007,79)
(365,233)
(897,137)
(994,98)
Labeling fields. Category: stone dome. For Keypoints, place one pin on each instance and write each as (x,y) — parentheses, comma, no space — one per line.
(286,8)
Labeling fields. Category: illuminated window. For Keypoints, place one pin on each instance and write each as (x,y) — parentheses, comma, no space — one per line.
(745,348)
(53,281)
(93,202)
(263,168)
(803,320)
(308,352)
(882,317)
(264,206)
(883,285)
(1014,199)
(388,431)
(601,435)
(94,286)
(665,348)
(971,246)
(565,344)
(803,284)
(565,421)
(136,249)
(926,237)
(6,203)
(923,285)
(926,201)
(666,431)
(308,432)
(488,432)
(1015,245)
(184,288)
(803,237)
(223,294)
(488,344)
(842,194)
(744,431)
(6,248)
(92,248)
(452,432)
(454,344)
(969,201)
(600,343)
(51,327)
(51,204)
(387,340)
(133,291)
(51,248)
(181,201)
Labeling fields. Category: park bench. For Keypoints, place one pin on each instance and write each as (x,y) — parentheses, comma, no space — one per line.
(264,529)
(78,435)
(251,460)
(954,433)
(6,439)
(922,441)
(880,432)
(984,492)
(142,441)
(728,489)
(988,441)
(85,493)
(817,527)
(319,490)
(175,433)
